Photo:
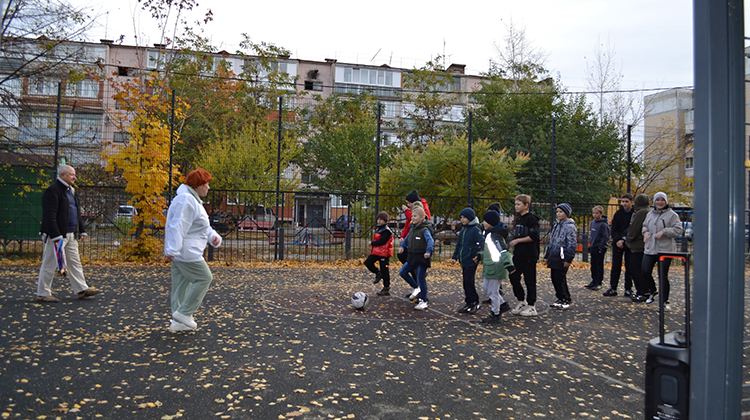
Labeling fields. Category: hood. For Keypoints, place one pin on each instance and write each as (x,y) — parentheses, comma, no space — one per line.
(474,222)
(641,200)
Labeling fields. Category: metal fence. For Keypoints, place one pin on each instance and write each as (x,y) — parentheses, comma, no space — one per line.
(306,225)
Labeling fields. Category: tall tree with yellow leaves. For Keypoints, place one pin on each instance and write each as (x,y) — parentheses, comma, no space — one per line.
(143,111)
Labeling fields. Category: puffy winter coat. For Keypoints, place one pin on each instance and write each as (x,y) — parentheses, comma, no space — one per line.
(188,230)
(491,269)
(661,220)
(382,242)
(562,244)
(470,240)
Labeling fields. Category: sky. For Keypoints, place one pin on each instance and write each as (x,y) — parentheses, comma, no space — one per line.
(652,40)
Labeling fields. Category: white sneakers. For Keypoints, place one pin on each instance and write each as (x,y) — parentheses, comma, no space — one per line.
(186,320)
(529,310)
(415,293)
(518,308)
(178,326)
(421,306)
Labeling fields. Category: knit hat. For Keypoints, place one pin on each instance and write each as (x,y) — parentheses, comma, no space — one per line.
(492,217)
(496,207)
(662,195)
(468,213)
(566,208)
(412,196)
(383,215)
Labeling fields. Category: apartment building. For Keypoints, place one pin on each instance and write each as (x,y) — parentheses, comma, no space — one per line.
(668,143)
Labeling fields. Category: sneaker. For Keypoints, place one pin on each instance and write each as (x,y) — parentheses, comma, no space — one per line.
(639,298)
(474,308)
(421,306)
(518,308)
(464,308)
(610,292)
(529,310)
(385,292)
(565,304)
(178,326)
(184,319)
(487,301)
(628,293)
(505,307)
(652,298)
(590,285)
(596,287)
(667,307)
(378,276)
(492,319)
(415,293)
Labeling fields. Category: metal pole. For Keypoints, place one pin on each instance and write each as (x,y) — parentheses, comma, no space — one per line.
(278,184)
(552,176)
(629,155)
(468,164)
(171,149)
(718,306)
(377,166)
(57,128)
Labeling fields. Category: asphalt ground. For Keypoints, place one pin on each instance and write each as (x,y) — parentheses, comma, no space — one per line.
(279,341)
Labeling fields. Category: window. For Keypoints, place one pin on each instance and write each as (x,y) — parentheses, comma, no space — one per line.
(83,89)
(9,117)
(313,85)
(155,59)
(42,86)
(388,110)
(373,77)
(121,137)
(689,162)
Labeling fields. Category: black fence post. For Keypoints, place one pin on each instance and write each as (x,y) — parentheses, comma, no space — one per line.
(280,240)
(348,244)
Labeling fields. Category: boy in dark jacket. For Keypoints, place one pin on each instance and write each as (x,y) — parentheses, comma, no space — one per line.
(418,248)
(381,250)
(598,244)
(635,243)
(620,250)
(525,245)
(497,263)
(470,240)
(560,253)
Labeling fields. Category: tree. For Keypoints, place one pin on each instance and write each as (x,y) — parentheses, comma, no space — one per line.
(441,170)
(143,111)
(518,59)
(428,98)
(659,162)
(340,151)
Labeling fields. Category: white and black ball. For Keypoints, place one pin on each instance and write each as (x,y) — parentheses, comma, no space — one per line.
(360,300)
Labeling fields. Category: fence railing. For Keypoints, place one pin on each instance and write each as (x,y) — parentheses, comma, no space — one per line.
(308,226)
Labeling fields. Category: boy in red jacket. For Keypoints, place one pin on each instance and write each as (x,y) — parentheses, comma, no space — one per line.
(382,250)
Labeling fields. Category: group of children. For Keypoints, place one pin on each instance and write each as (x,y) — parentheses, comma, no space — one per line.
(489,246)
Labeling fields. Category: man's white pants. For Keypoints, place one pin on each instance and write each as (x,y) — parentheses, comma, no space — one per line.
(49,266)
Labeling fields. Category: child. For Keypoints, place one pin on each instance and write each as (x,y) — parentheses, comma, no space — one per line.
(598,244)
(470,241)
(418,248)
(497,263)
(560,253)
(381,250)
(525,245)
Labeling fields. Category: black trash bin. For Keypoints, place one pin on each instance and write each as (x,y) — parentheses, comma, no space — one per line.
(668,359)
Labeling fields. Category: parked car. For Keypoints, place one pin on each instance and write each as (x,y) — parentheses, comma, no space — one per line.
(126,212)
(344,222)
(257,218)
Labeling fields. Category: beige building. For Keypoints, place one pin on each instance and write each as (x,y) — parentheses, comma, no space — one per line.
(668,144)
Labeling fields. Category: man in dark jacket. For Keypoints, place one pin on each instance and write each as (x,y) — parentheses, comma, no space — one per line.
(62,227)
(620,224)
(635,243)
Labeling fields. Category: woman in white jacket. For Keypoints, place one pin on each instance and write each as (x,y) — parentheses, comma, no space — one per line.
(186,235)
(661,227)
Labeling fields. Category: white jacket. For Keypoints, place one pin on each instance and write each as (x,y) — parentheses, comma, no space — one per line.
(188,230)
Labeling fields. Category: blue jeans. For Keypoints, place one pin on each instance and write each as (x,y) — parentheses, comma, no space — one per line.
(421,280)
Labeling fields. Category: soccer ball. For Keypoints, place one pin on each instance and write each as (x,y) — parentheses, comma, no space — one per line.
(360,300)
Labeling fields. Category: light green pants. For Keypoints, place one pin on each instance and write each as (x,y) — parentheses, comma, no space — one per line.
(190,281)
